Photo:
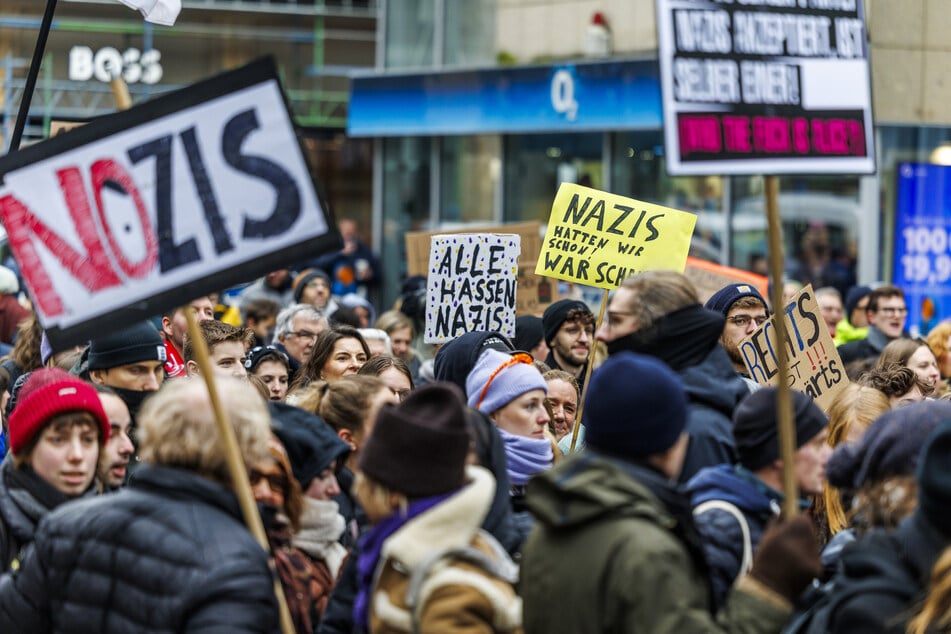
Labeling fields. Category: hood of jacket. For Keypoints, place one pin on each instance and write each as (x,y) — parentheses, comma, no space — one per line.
(713,382)
(587,487)
(724,482)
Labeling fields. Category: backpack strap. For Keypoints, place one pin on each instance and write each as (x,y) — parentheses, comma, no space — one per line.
(722,505)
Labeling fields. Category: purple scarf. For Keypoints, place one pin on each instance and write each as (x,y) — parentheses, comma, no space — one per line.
(371,547)
(524,457)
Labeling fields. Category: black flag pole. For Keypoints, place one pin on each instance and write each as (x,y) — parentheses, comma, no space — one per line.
(31,76)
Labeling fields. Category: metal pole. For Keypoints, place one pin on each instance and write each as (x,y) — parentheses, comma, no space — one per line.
(32,75)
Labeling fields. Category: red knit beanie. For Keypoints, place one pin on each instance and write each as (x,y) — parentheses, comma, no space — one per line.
(47,393)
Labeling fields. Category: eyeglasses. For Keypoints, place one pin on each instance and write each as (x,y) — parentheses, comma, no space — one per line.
(892,311)
(276,481)
(518,357)
(304,334)
(744,320)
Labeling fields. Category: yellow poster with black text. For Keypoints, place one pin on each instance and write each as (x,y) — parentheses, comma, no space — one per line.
(599,239)
(814,364)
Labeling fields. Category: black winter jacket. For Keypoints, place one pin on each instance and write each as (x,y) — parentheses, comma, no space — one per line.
(899,564)
(167,554)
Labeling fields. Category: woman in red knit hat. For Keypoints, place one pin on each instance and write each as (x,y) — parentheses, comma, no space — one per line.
(57,428)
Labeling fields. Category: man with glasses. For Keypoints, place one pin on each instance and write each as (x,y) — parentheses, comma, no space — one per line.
(745,311)
(296,333)
(886,313)
(657,313)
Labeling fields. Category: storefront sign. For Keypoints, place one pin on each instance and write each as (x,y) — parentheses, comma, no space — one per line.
(922,259)
(773,87)
(814,364)
(135,66)
(471,285)
(598,239)
(148,208)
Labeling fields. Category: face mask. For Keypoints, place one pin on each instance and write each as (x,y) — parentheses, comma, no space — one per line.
(133,399)
(636,341)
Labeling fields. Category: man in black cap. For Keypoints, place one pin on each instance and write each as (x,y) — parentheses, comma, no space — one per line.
(745,311)
(530,336)
(569,333)
(131,361)
(734,503)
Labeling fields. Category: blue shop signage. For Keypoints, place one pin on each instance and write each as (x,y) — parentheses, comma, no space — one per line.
(922,260)
(615,95)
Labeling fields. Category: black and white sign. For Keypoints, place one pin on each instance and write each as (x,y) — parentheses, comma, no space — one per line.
(148,208)
(765,86)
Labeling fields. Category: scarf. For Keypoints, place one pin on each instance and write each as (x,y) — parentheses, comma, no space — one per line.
(680,339)
(524,457)
(877,339)
(321,525)
(371,549)
(34,496)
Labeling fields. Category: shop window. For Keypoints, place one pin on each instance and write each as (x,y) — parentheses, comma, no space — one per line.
(469,171)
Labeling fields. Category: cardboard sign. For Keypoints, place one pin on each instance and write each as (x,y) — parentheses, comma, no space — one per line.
(147,208)
(599,239)
(535,293)
(814,364)
(472,281)
(708,278)
(765,87)
(58,127)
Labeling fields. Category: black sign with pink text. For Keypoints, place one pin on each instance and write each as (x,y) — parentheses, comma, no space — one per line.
(765,87)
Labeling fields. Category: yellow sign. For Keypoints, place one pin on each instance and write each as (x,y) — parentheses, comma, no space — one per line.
(599,239)
(814,364)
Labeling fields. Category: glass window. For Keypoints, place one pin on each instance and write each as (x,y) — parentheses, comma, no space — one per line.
(469,38)
(406,174)
(638,171)
(535,164)
(469,169)
(410,34)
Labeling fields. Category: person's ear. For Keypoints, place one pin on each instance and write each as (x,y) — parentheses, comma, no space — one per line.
(98,376)
(191,368)
(347,436)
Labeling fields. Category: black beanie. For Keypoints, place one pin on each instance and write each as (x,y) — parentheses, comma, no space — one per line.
(303,278)
(755,428)
(140,342)
(556,314)
(934,479)
(419,447)
(528,332)
(635,407)
(455,360)
(311,444)
(853,297)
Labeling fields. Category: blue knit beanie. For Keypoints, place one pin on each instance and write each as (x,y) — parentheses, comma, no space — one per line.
(508,385)
(636,407)
(723,299)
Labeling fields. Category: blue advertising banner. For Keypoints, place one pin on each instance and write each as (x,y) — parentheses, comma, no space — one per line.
(922,262)
(615,95)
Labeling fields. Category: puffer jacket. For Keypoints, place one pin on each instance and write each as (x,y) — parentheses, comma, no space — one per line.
(721,532)
(167,554)
(713,391)
(607,555)
(468,591)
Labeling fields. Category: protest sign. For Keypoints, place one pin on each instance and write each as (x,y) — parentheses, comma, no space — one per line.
(148,208)
(708,278)
(472,280)
(774,87)
(814,364)
(535,293)
(599,239)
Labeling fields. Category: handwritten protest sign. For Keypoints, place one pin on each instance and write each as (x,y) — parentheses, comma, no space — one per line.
(599,239)
(814,364)
(708,278)
(472,280)
(148,208)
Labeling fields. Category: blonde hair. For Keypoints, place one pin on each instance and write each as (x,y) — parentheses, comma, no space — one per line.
(658,293)
(176,427)
(376,499)
(855,405)
(342,404)
(935,613)
(938,340)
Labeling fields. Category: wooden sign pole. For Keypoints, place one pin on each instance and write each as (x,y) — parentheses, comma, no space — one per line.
(587,375)
(236,467)
(787,432)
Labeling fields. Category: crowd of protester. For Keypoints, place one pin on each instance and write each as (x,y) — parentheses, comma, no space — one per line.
(410,489)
